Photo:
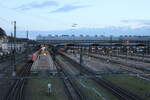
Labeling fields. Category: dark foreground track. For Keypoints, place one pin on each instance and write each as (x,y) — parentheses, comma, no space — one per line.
(71,89)
(16,90)
(121,93)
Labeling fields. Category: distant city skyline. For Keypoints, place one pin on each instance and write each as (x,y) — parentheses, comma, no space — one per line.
(107,31)
(88,37)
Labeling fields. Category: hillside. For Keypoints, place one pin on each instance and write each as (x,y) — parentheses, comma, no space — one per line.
(2,33)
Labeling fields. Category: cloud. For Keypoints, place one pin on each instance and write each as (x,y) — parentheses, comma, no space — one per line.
(35,5)
(137,21)
(68,8)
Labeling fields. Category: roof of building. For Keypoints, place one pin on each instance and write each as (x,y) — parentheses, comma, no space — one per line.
(17,39)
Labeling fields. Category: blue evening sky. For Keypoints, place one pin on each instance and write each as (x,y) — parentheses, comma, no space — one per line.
(61,14)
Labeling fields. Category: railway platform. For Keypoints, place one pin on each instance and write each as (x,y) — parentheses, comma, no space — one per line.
(44,62)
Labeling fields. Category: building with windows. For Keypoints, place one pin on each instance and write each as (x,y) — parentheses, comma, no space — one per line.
(91,39)
(3,37)
(96,37)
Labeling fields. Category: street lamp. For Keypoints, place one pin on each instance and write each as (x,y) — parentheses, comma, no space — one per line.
(27,45)
(73,36)
(14,51)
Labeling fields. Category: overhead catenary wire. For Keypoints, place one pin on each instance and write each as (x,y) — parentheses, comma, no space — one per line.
(22,29)
(7,25)
(36,15)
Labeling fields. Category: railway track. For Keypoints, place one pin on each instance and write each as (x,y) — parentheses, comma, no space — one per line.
(16,90)
(143,70)
(141,55)
(72,90)
(2,59)
(8,58)
(6,67)
(132,58)
(121,93)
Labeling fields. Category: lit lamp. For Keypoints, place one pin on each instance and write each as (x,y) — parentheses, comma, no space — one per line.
(49,88)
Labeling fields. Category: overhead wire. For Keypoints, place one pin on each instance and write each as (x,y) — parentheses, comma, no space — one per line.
(37,16)
(20,28)
(9,25)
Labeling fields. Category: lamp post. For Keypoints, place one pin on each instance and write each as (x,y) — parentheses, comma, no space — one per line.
(110,47)
(49,85)
(11,48)
(14,51)
(74,26)
(27,47)
(81,49)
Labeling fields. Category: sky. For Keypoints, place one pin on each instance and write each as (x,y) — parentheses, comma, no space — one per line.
(47,15)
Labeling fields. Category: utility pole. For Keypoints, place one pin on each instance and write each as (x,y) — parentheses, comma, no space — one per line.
(27,51)
(14,51)
(11,48)
(148,48)
(81,56)
(27,34)
(110,52)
